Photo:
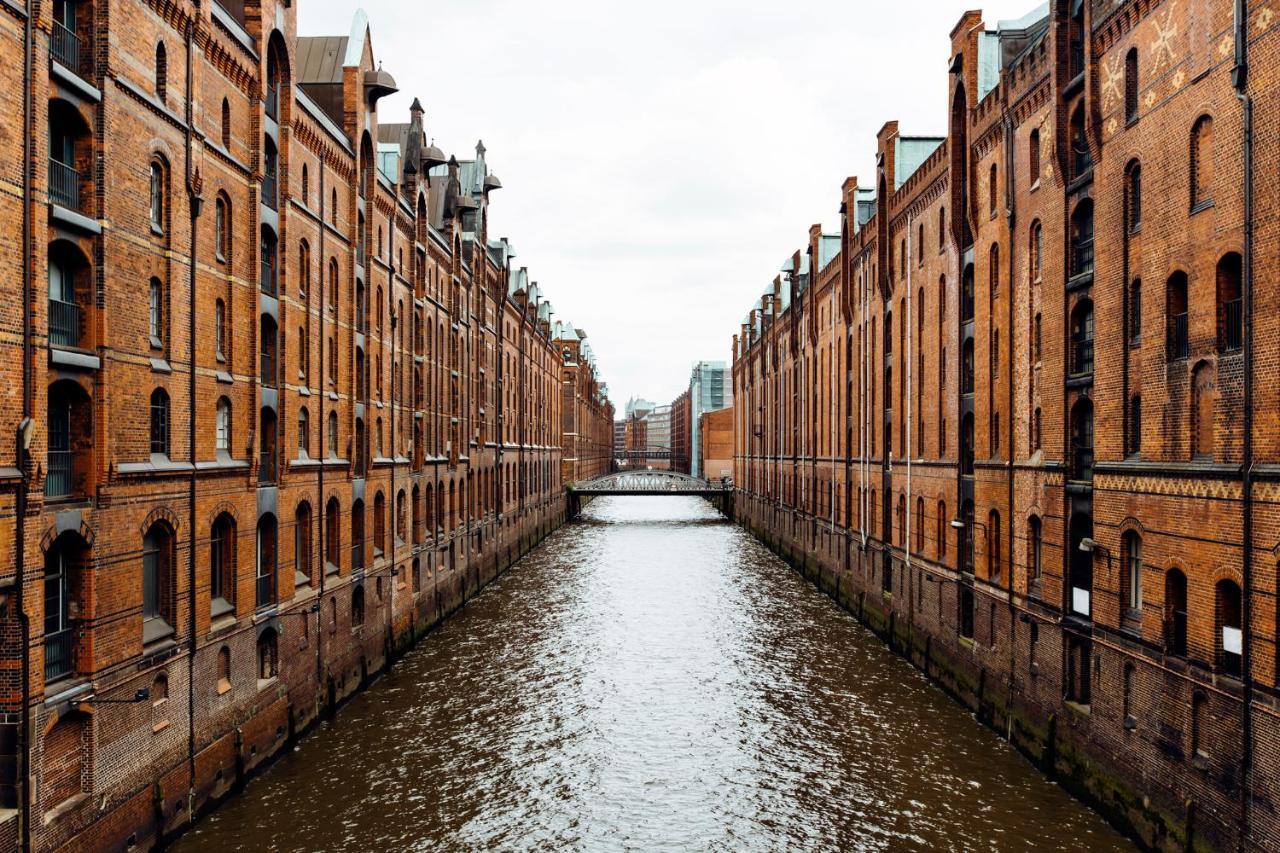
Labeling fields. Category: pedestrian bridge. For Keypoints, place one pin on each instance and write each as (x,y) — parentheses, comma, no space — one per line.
(651,483)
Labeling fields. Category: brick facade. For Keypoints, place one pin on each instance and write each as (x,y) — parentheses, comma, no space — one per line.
(1015,414)
(276,401)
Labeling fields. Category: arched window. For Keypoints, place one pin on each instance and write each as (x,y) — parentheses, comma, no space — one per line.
(1035,250)
(267,559)
(333,435)
(304,354)
(993,194)
(379,524)
(1081,157)
(332,536)
(222,566)
(222,426)
(1230,639)
(155,313)
(966,294)
(966,367)
(333,283)
(1131,575)
(268,655)
(269,271)
(1175,613)
(401,533)
(1082,441)
(1035,545)
(226,124)
(162,72)
(357,534)
(1131,85)
(1082,339)
(302,544)
(304,269)
(306,185)
(942,228)
(304,433)
(357,607)
(944,524)
(1230,304)
(1202,163)
(1176,314)
(157,198)
(1133,197)
(64,576)
(220,330)
(995,556)
(1133,426)
(1082,238)
(1204,398)
(993,271)
(222,229)
(1135,313)
(159,422)
(157,583)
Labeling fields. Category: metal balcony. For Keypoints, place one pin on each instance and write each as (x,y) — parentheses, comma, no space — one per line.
(1231,335)
(64,185)
(1179,341)
(65,46)
(58,480)
(64,323)
(59,654)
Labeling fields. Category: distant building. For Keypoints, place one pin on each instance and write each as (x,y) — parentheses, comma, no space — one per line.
(681,434)
(716,453)
(710,389)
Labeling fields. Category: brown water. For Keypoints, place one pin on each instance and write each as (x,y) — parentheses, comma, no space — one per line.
(651,678)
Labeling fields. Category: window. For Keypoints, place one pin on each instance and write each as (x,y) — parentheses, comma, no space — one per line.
(1230,636)
(268,656)
(965,606)
(1133,195)
(357,534)
(304,355)
(1135,313)
(155,313)
(226,124)
(1202,163)
(1175,613)
(943,524)
(993,271)
(1131,573)
(1131,85)
(1082,239)
(269,273)
(1199,706)
(1133,433)
(942,228)
(222,560)
(332,536)
(1035,544)
(966,444)
(1036,250)
(994,555)
(1081,157)
(357,607)
(222,429)
(333,434)
(1082,441)
(1204,397)
(1033,156)
(302,544)
(1230,304)
(157,573)
(304,434)
(1178,342)
(1082,339)
(224,670)
(268,462)
(333,283)
(966,295)
(270,174)
(162,72)
(157,196)
(1037,338)
(993,192)
(379,524)
(306,185)
(267,559)
(221,229)
(966,367)
(220,330)
(1036,430)
(159,422)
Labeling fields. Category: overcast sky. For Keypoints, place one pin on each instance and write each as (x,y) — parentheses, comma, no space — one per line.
(661,160)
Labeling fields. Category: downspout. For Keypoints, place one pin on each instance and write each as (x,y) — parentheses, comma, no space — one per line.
(1011,215)
(195,203)
(1240,79)
(23,776)
(318,512)
(863,405)
(908,321)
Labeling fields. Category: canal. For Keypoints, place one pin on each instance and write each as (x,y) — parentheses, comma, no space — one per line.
(651,678)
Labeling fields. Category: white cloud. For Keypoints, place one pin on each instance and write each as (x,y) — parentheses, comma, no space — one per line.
(661,160)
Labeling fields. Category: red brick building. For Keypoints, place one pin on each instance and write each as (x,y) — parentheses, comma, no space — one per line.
(1016,414)
(587,414)
(275,400)
(681,433)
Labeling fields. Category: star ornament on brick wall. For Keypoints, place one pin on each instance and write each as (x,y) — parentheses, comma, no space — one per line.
(1111,126)
(1224,46)
(1151,98)
(1179,78)
(1162,46)
(1265,17)
(1111,83)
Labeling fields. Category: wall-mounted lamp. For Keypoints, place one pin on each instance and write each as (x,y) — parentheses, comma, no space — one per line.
(142,695)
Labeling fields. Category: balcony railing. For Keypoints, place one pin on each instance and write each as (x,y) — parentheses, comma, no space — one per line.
(64,323)
(267,466)
(59,654)
(268,365)
(1232,332)
(360,255)
(65,46)
(64,185)
(273,103)
(357,556)
(266,591)
(1179,343)
(1082,464)
(58,481)
(270,191)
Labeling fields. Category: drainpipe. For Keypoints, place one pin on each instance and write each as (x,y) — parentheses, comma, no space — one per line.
(195,202)
(318,512)
(908,321)
(23,776)
(1240,79)
(1011,216)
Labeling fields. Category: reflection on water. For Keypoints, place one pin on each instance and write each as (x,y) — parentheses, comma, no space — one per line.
(651,678)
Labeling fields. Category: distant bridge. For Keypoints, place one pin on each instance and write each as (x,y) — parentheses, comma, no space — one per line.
(652,483)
